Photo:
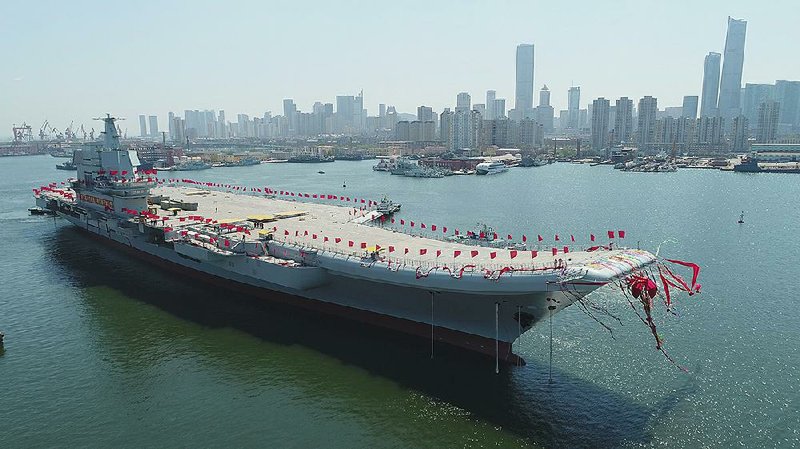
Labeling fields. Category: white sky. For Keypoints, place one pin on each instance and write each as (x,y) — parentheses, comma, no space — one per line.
(73,60)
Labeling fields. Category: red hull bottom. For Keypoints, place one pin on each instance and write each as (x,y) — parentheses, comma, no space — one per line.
(475,343)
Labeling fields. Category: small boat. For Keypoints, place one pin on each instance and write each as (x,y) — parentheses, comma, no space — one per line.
(321,172)
(40,211)
(387,206)
(67,165)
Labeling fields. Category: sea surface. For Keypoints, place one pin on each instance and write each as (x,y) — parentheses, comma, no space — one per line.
(104,351)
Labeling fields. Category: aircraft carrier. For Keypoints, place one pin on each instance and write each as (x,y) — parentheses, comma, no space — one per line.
(328,257)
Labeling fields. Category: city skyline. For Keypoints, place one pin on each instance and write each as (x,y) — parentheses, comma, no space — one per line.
(135,84)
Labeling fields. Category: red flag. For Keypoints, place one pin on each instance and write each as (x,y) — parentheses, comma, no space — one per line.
(444,230)
(402,222)
(422,251)
(285,232)
(412,224)
(513,253)
(566,249)
(423,226)
(473,253)
(621,234)
(350,243)
(494,235)
(492,255)
(227,242)
(305,232)
(433,227)
(313,236)
(557,239)
(391,248)
(392,220)
(363,245)
(456,231)
(591,236)
(482,235)
(337,240)
(438,252)
(509,237)
(555,251)
(534,253)
(540,237)
(572,237)
(406,251)
(377,247)
(456,253)
(524,238)
(325,239)
(611,234)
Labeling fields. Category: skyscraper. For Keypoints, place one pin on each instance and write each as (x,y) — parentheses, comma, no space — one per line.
(544,112)
(708,105)
(601,109)
(768,116)
(499,108)
(648,106)
(739,134)
(787,93)
(689,106)
(290,113)
(730,85)
(573,107)
(463,102)
(490,112)
(754,95)
(153,125)
(142,126)
(523,101)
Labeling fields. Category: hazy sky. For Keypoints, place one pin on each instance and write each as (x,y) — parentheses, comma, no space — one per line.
(73,60)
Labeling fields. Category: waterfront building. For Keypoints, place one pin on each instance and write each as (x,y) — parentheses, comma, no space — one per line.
(754,95)
(768,116)
(648,106)
(731,82)
(523,100)
(600,123)
(739,134)
(711,69)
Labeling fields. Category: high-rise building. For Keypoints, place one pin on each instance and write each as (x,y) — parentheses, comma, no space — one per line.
(544,96)
(711,68)
(787,93)
(709,134)
(171,125)
(689,108)
(754,95)
(648,106)
(601,109)
(573,107)
(480,109)
(768,117)
(463,102)
(290,112)
(623,120)
(523,100)
(446,128)
(499,108)
(153,125)
(739,134)
(731,82)
(490,112)
(142,126)
(425,114)
(462,129)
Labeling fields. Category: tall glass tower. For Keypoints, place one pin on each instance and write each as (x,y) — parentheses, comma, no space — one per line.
(730,86)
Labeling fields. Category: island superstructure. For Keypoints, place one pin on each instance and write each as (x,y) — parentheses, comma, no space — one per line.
(327,257)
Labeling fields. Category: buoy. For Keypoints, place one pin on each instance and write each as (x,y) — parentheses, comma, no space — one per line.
(741,218)
(2,336)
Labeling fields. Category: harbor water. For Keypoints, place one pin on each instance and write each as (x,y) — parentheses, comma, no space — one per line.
(105,351)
